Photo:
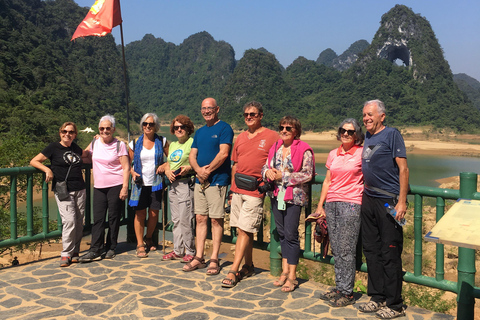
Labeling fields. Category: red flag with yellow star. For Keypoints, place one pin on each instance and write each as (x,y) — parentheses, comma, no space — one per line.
(101,18)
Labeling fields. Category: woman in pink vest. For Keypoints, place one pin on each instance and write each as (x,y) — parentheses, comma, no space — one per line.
(342,193)
(289,168)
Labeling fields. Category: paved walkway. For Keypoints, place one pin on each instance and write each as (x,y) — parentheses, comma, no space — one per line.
(129,288)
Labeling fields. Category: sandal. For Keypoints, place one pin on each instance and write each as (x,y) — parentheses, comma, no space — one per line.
(332,294)
(149,243)
(189,267)
(247,271)
(279,282)
(230,283)
(141,252)
(212,271)
(342,301)
(388,313)
(372,306)
(290,285)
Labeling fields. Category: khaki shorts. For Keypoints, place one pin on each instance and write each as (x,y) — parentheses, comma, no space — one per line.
(246,212)
(210,202)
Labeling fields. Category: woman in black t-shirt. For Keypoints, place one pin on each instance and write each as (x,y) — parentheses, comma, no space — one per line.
(62,156)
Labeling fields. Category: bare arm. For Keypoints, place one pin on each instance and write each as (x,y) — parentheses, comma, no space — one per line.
(401,206)
(323,194)
(124,161)
(36,162)
(220,158)
(234,169)
(132,169)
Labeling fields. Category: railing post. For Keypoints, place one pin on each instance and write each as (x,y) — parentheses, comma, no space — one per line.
(13,207)
(30,204)
(466,257)
(275,256)
(440,249)
(417,225)
(308,225)
(45,217)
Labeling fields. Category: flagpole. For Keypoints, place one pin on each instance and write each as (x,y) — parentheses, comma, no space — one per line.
(125,80)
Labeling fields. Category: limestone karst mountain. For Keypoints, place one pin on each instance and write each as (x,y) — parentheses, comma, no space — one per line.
(408,37)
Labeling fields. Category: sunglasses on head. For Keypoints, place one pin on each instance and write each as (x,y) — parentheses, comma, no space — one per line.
(175,128)
(349,132)
(149,124)
(68,131)
(250,114)
(288,128)
(104,128)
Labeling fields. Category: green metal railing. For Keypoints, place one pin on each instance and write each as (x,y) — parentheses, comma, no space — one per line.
(464,287)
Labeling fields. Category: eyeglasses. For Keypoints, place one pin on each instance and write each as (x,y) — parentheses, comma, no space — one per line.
(288,128)
(342,131)
(104,128)
(70,132)
(203,109)
(148,124)
(175,128)
(250,114)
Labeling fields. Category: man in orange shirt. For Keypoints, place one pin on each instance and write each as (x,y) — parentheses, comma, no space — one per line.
(250,152)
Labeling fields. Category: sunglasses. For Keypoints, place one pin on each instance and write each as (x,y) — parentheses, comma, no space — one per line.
(104,128)
(349,132)
(288,128)
(71,132)
(175,128)
(149,124)
(203,109)
(250,114)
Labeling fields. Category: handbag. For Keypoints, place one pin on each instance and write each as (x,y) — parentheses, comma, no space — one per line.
(246,182)
(321,235)
(61,187)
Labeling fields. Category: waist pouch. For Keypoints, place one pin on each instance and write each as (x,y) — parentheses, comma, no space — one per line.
(246,182)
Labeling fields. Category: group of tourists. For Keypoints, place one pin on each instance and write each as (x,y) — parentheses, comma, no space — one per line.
(359,183)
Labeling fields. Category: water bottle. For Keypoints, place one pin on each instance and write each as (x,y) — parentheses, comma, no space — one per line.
(391,210)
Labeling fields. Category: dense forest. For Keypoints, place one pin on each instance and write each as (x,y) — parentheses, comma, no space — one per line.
(46,79)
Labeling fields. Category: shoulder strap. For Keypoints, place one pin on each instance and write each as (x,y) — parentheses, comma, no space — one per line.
(93,142)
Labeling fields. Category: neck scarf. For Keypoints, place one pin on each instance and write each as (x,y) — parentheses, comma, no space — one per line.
(137,165)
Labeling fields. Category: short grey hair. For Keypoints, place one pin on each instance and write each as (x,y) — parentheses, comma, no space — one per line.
(380,105)
(359,136)
(107,117)
(155,120)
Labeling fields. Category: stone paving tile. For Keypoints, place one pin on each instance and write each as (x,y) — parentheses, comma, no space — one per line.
(127,288)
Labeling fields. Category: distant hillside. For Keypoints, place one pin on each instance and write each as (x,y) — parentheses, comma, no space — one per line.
(469,86)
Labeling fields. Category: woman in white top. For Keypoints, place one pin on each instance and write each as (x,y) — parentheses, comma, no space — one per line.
(147,153)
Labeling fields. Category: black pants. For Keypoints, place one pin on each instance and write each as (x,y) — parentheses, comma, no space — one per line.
(103,199)
(382,241)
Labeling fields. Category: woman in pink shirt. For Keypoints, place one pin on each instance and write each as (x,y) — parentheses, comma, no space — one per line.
(111,171)
(342,194)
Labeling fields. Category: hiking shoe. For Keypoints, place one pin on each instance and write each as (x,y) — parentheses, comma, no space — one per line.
(90,256)
(342,300)
(171,256)
(187,258)
(330,295)
(65,261)
(110,254)
(372,306)
(74,258)
(388,313)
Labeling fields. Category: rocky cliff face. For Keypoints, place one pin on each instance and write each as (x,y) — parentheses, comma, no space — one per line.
(408,37)
(346,59)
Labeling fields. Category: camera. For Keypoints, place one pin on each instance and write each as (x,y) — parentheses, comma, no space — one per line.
(267,186)
(138,180)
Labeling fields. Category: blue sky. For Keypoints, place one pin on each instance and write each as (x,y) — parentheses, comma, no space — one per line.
(290,29)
